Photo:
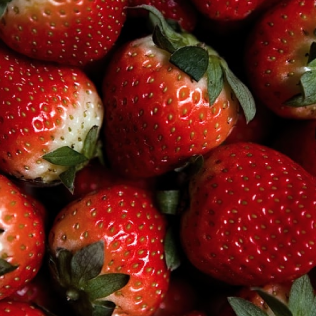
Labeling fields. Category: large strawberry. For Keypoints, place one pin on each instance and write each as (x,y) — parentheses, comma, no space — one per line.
(167,98)
(251,216)
(280,59)
(107,252)
(22,237)
(50,118)
(68,32)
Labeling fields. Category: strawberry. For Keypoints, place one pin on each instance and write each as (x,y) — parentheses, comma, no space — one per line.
(162,107)
(107,252)
(250,220)
(297,298)
(50,118)
(227,10)
(15,308)
(70,32)
(180,11)
(22,237)
(280,57)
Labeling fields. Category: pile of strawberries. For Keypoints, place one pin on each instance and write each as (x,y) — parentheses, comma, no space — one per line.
(157,158)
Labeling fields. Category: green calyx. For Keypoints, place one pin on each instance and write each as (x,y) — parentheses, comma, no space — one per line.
(6,267)
(68,157)
(3,6)
(198,60)
(307,83)
(79,277)
(302,301)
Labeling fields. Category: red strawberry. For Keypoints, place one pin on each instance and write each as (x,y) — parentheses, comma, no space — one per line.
(22,237)
(251,216)
(107,252)
(164,107)
(180,11)
(15,308)
(68,32)
(280,57)
(297,298)
(49,119)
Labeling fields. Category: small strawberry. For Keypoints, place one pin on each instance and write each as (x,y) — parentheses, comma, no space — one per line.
(297,298)
(167,97)
(107,253)
(50,118)
(69,32)
(15,308)
(280,57)
(22,237)
(251,216)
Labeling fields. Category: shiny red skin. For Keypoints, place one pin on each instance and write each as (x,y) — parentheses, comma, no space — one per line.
(181,11)
(43,106)
(249,205)
(227,10)
(23,236)
(276,55)
(156,116)
(133,231)
(15,308)
(68,32)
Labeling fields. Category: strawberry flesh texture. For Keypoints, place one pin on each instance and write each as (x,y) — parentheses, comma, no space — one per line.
(251,218)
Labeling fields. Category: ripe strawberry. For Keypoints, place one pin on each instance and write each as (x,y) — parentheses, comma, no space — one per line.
(49,119)
(167,97)
(297,298)
(280,57)
(227,10)
(180,11)
(15,308)
(22,237)
(69,32)
(250,220)
(107,252)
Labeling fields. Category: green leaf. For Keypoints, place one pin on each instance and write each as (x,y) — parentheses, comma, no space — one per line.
(6,267)
(90,142)
(3,6)
(63,268)
(215,79)
(308,96)
(302,298)
(105,309)
(68,178)
(162,41)
(105,284)
(168,201)
(65,156)
(243,307)
(278,307)
(87,263)
(242,93)
(171,247)
(193,60)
